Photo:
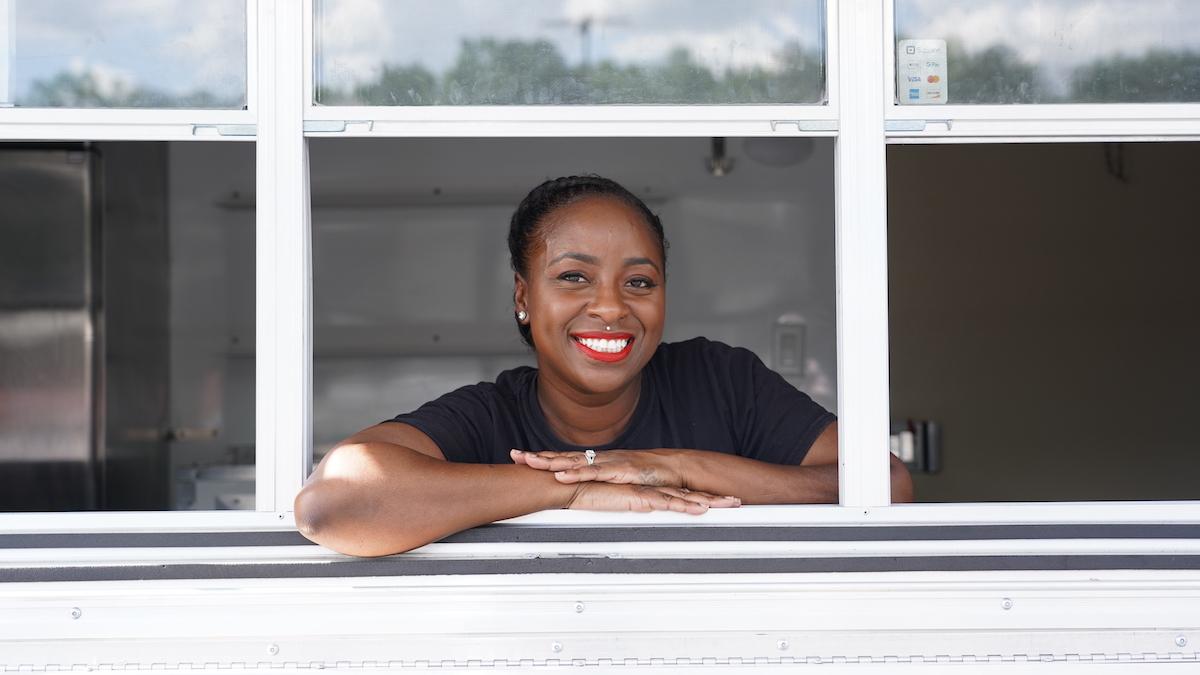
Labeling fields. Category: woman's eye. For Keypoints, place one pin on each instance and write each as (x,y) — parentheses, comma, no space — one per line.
(574,277)
(642,282)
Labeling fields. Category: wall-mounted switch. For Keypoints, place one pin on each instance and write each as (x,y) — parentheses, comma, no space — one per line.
(787,345)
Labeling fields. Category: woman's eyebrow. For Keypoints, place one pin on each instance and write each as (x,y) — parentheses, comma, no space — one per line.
(582,257)
(629,262)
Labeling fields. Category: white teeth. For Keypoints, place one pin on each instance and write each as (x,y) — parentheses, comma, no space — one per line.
(601,345)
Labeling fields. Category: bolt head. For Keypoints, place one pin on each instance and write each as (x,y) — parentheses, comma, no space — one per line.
(1181,641)
(556,647)
(273,649)
(76,612)
(1006,603)
(783,645)
(579,608)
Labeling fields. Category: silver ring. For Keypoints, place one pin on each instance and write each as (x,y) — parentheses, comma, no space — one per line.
(590,456)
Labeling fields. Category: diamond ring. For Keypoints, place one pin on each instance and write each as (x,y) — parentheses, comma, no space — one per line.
(590,456)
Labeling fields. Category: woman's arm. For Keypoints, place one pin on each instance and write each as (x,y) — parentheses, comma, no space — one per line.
(813,481)
(389,489)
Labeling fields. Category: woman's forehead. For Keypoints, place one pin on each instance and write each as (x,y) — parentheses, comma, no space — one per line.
(599,223)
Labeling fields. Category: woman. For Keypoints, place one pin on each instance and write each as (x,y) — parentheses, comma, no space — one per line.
(610,420)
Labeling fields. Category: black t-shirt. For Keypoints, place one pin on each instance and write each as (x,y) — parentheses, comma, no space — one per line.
(695,394)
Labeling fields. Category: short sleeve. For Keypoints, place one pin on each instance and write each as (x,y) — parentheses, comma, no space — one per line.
(783,422)
(773,420)
(460,422)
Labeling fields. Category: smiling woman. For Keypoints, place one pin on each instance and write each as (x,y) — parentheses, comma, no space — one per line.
(611,418)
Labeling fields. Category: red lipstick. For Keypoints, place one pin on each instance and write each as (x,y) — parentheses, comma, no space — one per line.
(605,357)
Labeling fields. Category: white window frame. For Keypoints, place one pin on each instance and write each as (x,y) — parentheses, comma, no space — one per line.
(141,124)
(575,120)
(1079,122)
(860,106)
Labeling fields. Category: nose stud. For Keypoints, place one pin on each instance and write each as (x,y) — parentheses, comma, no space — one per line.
(608,328)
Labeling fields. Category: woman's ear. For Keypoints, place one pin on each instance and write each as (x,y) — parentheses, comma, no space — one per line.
(520,293)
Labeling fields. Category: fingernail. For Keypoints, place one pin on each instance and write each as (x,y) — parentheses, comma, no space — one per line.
(560,474)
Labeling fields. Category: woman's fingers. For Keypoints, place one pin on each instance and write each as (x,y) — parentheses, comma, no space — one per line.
(683,500)
(549,460)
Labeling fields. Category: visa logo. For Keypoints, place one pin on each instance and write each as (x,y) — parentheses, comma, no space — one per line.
(914,78)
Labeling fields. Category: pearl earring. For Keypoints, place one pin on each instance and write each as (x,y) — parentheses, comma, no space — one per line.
(522,315)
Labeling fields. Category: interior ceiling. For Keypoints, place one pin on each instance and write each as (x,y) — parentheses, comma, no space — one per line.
(370,171)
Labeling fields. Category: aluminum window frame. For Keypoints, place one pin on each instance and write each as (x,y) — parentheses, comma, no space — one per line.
(279,107)
(1028,121)
(576,120)
(143,124)
(174,124)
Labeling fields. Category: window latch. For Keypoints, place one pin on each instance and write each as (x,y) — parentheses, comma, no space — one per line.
(804,125)
(917,125)
(337,126)
(224,129)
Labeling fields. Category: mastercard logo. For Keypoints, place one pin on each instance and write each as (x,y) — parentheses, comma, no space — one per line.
(933,79)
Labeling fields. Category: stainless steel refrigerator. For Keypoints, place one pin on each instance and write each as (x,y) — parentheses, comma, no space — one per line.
(83,312)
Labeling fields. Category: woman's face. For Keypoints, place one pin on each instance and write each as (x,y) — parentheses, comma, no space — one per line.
(598,265)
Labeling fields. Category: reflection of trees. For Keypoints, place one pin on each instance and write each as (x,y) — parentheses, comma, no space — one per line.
(83,90)
(994,75)
(998,75)
(1161,76)
(496,72)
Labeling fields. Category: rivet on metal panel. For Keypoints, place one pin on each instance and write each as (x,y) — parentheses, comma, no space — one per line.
(1006,603)
(783,645)
(1181,641)
(76,612)
(579,608)
(556,647)
(272,649)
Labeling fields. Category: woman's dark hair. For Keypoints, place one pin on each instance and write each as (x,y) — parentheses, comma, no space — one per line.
(531,213)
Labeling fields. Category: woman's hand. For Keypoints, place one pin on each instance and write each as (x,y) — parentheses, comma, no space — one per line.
(658,468)
(599,496)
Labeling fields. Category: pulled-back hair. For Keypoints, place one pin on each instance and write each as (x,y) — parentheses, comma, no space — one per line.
(527,221)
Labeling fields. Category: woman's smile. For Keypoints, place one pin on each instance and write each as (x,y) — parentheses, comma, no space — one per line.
(605,347)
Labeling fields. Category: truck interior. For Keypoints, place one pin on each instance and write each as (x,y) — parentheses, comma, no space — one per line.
(1041,303)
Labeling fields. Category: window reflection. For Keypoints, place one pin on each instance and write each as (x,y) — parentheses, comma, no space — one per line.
(549,52)
(115,54)
(1062,51)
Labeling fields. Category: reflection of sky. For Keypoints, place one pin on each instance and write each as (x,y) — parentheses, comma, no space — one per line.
(1056,35)
(175,46)
(356,36)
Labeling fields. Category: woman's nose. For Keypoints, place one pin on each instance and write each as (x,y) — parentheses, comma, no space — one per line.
(608,304)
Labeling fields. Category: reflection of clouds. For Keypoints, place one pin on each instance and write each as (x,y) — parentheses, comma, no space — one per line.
(351,31)
(637,31)
(110,81)
(1056,35)
(743,47)
(175,46)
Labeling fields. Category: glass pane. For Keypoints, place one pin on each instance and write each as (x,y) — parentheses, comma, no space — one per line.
(1048,51)
(126,326)
(1042,302)
(119,54)
(413,292)
(558,52)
